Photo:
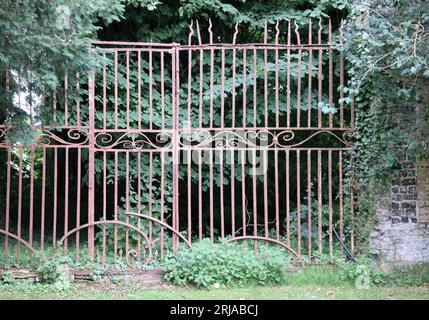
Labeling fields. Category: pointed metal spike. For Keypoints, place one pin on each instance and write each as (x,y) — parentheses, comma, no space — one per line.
(277,32)
(234,37)
(210,31)
(191,32)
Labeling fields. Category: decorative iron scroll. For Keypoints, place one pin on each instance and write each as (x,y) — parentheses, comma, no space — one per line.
(56,137)
(73,137)
(256,138)
(133,140)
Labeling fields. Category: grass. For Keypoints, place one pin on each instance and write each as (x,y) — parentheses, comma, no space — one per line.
(319,283)
(168,292)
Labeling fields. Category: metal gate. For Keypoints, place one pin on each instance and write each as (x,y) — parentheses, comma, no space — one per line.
(167,144)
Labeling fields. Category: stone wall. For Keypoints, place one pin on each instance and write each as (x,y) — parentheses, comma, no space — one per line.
(402,235)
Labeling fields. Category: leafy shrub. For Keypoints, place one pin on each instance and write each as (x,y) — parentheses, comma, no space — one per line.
(53,270)
(363,272)
(208,266)
(7,278)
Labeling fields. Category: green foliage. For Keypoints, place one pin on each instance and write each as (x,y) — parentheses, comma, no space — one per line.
(386,47)
(413,275)
(53,270)
(7,278)
(362,272)
(211,266)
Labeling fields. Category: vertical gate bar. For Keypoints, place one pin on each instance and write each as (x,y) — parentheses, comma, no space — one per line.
(200,114)
(127,198)
(54,105)
(7,220)
(18,252)
(352,114)
(104,203)
(31,197)
(341,77)
(66,198)
(310,73)
(150,192)
(298,93)
(211,85)
(244,87)
(162,186)
(340,191)
(78,179)
(222,89)
(189,86)
(265,168)
(330,73)
(66,109)
(254,86)
(222,216)
(150,91)
(176,151)
(91,163)
(298,199)
(276,89)
(352,213)
(211,194)
(128,88)
(255,210)
(42,209)
(189,158)
(200,198)
(233,86)
(78,99)
(319,77)
(319,196)
(266,75)
(115,203)
(116,90)
(54,227)
(162,93)
(287,200)
(232,191)
(288,76)
(309,202)
(243,194)
(104,93)
(139,90)
(139,199)
(276,179)
(330,200)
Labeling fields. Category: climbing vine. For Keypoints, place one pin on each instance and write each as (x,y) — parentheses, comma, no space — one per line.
(389,71)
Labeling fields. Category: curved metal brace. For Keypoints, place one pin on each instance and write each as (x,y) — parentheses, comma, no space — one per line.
(25,243)
(268,240)
(144,216)
(115,222)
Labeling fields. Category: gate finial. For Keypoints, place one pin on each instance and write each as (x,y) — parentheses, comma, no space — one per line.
(210,31)
(298,38)
(191,32)
(234,37)
(198,33)
(277,32)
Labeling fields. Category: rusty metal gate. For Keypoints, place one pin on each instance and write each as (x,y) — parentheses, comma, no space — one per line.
(167,144)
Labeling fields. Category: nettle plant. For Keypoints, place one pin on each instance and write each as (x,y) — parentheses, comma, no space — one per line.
(211,266)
